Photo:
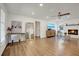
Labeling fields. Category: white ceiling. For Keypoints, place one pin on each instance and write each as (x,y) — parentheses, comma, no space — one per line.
(44,12)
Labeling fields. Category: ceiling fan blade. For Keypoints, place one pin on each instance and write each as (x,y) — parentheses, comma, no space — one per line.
(64,14)
(59,14)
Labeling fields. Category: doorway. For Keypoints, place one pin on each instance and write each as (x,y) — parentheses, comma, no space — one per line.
(37,29)
(29,29)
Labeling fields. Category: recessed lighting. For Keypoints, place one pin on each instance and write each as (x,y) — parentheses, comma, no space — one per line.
(41,5)
(47,17)
(33,13)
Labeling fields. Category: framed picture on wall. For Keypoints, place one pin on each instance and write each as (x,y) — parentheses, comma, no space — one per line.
(17,26)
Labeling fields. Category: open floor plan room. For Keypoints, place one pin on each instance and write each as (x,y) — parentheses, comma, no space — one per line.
(39,29)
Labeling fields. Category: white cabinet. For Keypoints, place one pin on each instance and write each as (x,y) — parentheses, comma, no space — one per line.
(15,37)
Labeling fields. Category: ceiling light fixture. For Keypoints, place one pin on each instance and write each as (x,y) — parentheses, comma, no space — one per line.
(41,5)
(33,13)
(47,17)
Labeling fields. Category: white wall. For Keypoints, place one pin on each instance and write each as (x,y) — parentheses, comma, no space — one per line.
(4,42)
(24,19)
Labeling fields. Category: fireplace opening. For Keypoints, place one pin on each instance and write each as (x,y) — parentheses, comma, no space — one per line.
(73,31)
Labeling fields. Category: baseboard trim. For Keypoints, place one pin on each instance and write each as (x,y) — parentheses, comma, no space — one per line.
(4,49)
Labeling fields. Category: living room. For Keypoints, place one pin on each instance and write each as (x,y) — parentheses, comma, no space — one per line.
(41,26)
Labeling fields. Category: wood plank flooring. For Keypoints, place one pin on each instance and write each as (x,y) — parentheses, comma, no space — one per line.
(44,47)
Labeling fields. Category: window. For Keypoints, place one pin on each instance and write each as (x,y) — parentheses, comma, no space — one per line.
(52,26)
(2,26)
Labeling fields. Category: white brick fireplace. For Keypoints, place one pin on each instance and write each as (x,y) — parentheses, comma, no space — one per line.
(74,27)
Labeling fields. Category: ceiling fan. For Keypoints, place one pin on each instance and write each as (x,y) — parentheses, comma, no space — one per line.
(61,14)
(64,14)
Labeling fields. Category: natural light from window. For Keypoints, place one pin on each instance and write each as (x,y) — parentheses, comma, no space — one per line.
(2,30)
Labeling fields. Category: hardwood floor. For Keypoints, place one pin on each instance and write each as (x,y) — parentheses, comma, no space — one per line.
(44,47)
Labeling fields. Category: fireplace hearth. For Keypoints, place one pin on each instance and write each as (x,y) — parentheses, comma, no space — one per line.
(73,31)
